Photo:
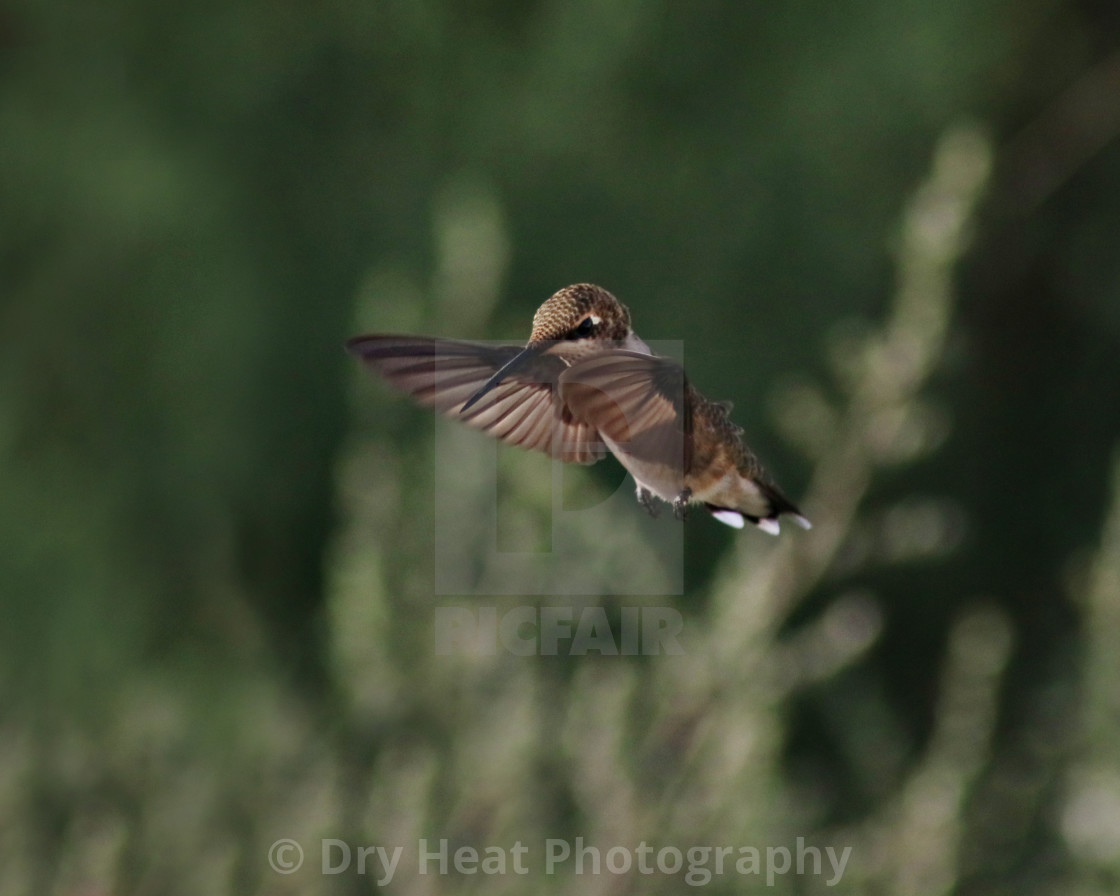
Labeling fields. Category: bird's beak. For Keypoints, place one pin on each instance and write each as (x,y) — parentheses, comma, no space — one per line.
(518,362)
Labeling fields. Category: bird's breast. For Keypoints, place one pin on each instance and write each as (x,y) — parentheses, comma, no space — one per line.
(663,479)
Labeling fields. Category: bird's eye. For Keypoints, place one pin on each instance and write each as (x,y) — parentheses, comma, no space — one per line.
(586,327)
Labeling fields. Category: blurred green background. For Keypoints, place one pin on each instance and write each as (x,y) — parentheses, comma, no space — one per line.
(887,230)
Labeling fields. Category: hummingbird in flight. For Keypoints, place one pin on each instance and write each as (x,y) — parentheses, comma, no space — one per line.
(586,385)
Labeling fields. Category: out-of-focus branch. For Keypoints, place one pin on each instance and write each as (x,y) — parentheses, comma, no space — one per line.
(917,842)
(1103,674)
(729,695)
(1077,125)
(883,375)
(1090,819)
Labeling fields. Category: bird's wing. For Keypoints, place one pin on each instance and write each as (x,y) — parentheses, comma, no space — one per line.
(640,403)
(523,410)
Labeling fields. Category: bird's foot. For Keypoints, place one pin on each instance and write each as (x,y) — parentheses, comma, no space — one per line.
(680,503)
(646,499)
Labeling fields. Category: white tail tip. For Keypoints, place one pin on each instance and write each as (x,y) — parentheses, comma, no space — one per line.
(802,522)
(770,526)
(730,517)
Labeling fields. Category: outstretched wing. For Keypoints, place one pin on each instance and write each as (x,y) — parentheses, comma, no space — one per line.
(523,410)
(640,403)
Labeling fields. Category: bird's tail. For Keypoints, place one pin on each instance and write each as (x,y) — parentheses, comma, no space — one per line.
(779,504)
(776,505)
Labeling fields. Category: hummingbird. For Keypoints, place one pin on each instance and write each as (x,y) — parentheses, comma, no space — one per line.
(586,385)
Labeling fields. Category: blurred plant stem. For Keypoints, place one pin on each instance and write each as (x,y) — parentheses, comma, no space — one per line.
(882,375)
(729,694)
(1090,819)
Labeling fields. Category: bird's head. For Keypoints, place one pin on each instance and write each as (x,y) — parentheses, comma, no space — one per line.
(576,319)
(582,311)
